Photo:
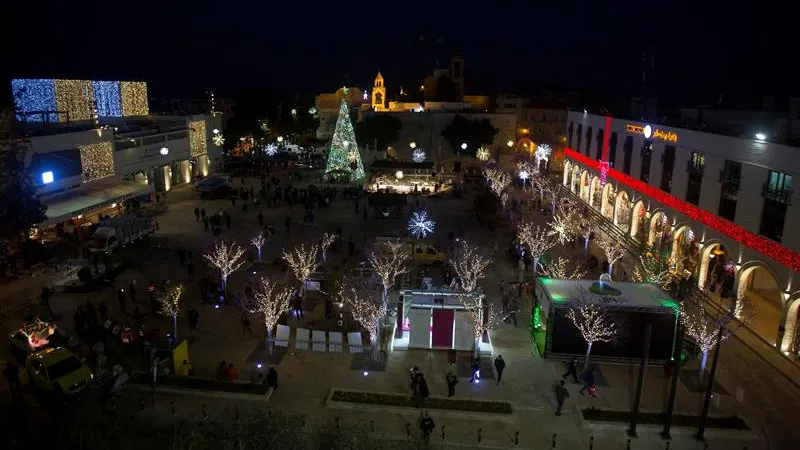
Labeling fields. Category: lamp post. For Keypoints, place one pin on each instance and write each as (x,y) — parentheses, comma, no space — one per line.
(701,429)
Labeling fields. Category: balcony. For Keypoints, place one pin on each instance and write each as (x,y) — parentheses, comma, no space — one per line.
(777,194)
(730,182)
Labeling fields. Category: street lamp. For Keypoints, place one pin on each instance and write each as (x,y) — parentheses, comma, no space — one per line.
(760,136)
(413,145)
(510,143)
(280,138)
(463,146)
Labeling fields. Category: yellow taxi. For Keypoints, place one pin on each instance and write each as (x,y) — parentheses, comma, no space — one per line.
(58,369)
(427,253)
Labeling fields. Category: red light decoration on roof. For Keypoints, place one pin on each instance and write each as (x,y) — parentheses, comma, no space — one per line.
(780,254)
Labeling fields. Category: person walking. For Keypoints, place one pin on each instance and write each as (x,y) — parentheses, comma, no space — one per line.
(451,380)
(205,224)
(123,300)
(194,316)
(45,296)
(426,425)
(422,392)
(499,367)
(588,380)
(476,371)
(231,374)
(561,395)
(272,378)
(196,214)
(11,374)
(246,325)
(203,213)
(260,219)
(573,370)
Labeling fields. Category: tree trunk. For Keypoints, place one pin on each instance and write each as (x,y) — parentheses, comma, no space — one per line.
(175,326)
(586,358)
(267,347)
(259,254)
(586,245)
(477,347)
(610,268)
(703,361)
(535,266)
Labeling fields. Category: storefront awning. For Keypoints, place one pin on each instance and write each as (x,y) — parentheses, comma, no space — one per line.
(65,205)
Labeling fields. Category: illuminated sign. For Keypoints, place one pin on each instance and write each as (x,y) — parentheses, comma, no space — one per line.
(648,132)
(47,177)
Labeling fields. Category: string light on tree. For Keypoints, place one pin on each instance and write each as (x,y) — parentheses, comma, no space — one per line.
(344,160)
(303,260)
(470,266)
(258,242)
(483,154)
(565,225)
(366,311)
(703,325)
(171,305)
(652,268)
(418,155)
(389,262)
(271,301)
(592,321)
(498,180)
(483,317)
(562,269)
(227,258)
(327,240)
(218,140)
(536,240)
(612,250)
(420,225)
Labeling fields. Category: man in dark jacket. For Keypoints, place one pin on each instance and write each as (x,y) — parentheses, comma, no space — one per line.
(426,424)
(452,380)
(499,366)
(561,395)
(573,370)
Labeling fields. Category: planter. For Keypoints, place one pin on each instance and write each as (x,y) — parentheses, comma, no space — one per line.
(432,403)
(199,384)
(734,423)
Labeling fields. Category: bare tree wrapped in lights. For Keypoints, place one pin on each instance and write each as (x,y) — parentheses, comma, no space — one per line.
(327,240)
(470,266)
(592,321)
(563,269)
(258,242)
(565,225)
(703,325)
(171,305)
(612,249)
(652,268)
(366,310)
(588,225)
(498,180)
(483,316)
(536,240)
(272,301)
(226,258)
(303,260)
(389,262)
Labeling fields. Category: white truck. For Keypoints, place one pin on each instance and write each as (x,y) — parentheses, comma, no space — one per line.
(120,231)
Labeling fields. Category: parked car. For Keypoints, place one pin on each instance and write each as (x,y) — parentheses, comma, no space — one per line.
(58,370)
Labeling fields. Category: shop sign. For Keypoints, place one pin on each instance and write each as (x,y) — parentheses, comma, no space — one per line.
(652,133)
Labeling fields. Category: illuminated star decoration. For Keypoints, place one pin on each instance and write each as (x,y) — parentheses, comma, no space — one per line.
(524,175)
(483,154)
(218,140)
(420,225)
(418,156)
(271,149)
(543,153)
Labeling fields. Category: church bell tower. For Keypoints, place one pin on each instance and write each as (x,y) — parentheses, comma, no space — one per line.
(379,94)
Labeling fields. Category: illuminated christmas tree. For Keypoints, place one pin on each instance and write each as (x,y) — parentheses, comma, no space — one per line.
(344,160)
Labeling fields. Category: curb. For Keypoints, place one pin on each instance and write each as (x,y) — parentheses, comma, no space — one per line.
(198,392)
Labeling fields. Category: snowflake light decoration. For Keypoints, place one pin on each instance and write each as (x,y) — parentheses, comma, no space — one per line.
(483,154)
(543,153)
(271,149)
(419,155)
(420,225)
(218,140)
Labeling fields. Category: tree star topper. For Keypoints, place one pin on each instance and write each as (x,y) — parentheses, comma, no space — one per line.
(420,225)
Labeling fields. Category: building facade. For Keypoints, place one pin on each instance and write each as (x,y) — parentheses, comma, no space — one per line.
(723,207)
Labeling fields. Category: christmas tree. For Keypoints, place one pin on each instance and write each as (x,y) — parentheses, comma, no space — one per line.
(344,160)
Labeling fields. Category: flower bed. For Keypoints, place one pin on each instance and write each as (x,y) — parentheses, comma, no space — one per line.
(200,384)
(678,420)
(381,399)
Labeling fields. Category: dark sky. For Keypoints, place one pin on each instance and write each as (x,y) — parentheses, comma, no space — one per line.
(182,48)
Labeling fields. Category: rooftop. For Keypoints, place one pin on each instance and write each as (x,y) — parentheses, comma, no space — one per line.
(627,295)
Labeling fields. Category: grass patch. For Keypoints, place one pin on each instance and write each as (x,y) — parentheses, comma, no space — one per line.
(539,338)
(678,420)
(200,384)
(381,399)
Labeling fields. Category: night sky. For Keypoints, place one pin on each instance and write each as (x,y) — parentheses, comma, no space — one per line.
(309,47)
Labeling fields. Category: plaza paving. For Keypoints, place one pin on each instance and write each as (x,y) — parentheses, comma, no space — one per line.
(770,402)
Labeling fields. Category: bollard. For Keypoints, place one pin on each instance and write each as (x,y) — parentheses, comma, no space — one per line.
(141,404)
(337,423)
(236,414)
(372,426)
(516,439)
(628,445)
(591,442)
(554,440)
(408,430)
(480,432)
(172,407)
(443,435)
(205,411)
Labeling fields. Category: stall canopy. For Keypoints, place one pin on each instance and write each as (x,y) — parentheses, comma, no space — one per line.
(65,205)
(638,296)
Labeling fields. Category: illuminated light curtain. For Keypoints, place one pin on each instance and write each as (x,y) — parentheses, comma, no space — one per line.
(133,96)
(107,98)
(198,141)
(34,95)
(777,252)
(97,161)
(74,100)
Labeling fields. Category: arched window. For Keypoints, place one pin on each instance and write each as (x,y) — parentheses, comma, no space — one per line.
(379,98)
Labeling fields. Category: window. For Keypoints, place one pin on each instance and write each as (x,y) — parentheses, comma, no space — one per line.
(647,156)
(579,134)
(777,192)
(728,199)
(570,129)
(627,149)
(730,179)
(599,149)
(696,167)
(731,175)
(588,141)
(668,160)
(612,150)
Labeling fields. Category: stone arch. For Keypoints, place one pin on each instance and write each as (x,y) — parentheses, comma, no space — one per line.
(622,210)
(637,222)
(525,143)
(567,173)
(757,281)
(576,179)
(683,249)
(790,325)
(584,186)
(656,221)
(606,207)
(594,187)
(706,259)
